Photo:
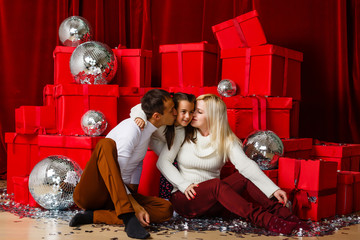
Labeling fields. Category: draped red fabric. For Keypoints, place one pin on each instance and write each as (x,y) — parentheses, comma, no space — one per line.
(327,32)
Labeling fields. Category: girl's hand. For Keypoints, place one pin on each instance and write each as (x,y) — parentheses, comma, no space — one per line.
(190,192)
(140,123)
(281,196)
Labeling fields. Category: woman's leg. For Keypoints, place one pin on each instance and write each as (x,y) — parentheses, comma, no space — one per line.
(253,194)
(209,193)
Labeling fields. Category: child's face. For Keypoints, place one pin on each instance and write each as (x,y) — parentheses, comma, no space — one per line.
(185,113)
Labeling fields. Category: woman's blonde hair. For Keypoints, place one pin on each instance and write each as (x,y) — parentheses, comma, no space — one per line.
(222,137)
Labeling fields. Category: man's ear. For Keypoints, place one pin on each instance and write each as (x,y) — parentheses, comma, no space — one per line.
(156,115)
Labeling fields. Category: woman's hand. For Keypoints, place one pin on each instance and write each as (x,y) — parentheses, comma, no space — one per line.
(140,123)
(281,196)
(190,192)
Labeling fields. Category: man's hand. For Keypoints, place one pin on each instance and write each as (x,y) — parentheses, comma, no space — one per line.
(281,196)
(143,216)
(140,123)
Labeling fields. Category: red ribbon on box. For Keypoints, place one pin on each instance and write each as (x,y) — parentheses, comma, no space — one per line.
(240,32)
(180,66)
(301,197)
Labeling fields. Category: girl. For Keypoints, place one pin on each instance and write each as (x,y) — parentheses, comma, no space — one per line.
(198,191)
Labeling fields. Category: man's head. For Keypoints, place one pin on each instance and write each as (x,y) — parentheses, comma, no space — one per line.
(158,107)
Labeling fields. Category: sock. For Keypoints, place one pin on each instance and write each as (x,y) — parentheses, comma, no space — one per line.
(300,224)
(133,227)
(82,218)
(279,225)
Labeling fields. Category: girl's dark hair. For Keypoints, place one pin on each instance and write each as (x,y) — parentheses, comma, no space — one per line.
(189,130)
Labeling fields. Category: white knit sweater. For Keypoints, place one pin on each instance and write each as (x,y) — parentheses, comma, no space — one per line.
(200,162)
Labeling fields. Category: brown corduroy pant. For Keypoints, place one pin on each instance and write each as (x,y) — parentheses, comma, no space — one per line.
(102,189)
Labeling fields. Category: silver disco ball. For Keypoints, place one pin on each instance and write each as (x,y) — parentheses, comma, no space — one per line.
(265,148)
(93,63)
(226,88)
(93,123)
(52,182)
(74,30)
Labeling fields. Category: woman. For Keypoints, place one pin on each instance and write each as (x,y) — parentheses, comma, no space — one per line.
(198,191)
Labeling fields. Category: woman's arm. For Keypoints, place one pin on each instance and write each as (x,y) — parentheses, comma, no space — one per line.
(249,169)
(166,159)
(137,112)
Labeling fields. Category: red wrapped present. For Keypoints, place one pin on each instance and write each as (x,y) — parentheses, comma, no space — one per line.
(311,185)
(134,67)
(242,31)
(355,189)
(264,70)
(77,148)
(48,95)
(128,98)
(246,114)
(188,64)
(62,73)
(342,153)
(297,147)
(73,100)
(150,176)
(344,196)
(272,174)
(35,119)
(22,149)
(21,191)
(197,91)
(355,164)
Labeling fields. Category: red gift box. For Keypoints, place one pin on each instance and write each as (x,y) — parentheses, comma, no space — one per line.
(188,64)
(22,149)
(48,95)
(272,174)
(356,189)
(77,148)
(128,98)
(346,155)
(62,73)
(242,31)
(35,119)
(311,185)
(73,100)
(134,67)
(264,70)
(297,147)
(21,191)
(197,91)
(344,197)
(246,114)
(150,176)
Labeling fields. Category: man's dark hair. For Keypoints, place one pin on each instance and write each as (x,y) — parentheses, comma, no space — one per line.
(153,101)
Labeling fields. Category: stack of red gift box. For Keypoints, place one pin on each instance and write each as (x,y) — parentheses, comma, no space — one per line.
(321,179)
(55,128)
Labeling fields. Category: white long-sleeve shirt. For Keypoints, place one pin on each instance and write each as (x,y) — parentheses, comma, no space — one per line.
(199,162)
(132,144)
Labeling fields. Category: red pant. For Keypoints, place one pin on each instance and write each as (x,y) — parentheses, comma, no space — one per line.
(235,194)
(101,189)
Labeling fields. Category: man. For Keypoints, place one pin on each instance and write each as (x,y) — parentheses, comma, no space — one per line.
(107,188)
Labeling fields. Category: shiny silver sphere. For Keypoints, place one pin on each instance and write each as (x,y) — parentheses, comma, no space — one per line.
(74,31)
(93,63)
(93,123)
(226,88)
(265,148)
(52,182)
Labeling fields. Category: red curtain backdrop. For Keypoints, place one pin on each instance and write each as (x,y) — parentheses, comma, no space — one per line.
(327,32)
